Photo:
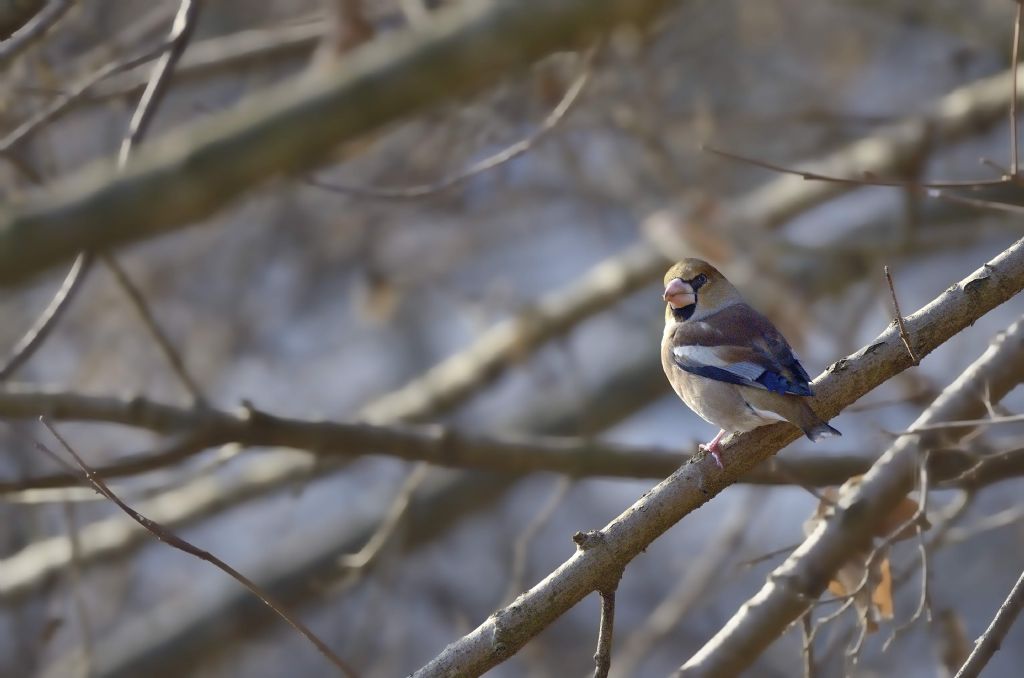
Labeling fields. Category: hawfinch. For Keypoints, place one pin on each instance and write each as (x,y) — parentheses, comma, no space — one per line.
(727,361)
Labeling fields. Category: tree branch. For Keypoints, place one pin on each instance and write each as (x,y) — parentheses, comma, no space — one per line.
(508,629)
(793,587)
(32,30)
(193,430)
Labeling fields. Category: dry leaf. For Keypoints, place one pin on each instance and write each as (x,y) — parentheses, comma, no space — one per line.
(874,601)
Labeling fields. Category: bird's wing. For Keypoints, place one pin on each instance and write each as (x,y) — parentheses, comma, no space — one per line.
(740,346)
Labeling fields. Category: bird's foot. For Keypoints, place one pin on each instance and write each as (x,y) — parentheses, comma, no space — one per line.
(713,449)
(716,454)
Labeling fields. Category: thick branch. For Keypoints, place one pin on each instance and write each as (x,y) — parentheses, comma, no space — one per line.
(696,482)
(800,580)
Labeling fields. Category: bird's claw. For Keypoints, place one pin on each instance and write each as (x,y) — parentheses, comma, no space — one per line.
(715,454)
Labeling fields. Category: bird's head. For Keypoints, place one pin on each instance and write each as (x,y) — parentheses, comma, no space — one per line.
(694,289)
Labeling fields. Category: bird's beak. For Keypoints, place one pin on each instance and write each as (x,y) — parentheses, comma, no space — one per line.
(679,294)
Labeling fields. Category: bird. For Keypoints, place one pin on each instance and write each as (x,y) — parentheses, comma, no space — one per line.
(727,362)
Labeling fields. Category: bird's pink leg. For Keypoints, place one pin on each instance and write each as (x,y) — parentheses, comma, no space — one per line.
(712,448)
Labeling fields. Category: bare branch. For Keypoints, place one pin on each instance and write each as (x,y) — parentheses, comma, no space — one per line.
(603,655)
(181,31)
(47,320)
(988,643)
(868,178)
(794,585)
(23,131)
(142,309)
(33,30)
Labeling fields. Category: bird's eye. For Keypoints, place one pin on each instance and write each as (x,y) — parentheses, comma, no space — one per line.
(699,281)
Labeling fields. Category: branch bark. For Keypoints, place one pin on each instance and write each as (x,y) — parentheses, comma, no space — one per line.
(794,586)
(508,629)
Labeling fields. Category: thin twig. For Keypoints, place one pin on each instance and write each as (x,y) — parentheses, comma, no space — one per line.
(904,335)
(867,180)
(145,314)
(47,320)
(181,30)
(520,549)
(785,550)
(357,563)
(174,541)
(603,656)
(976,202)
(80,89)
(571,96)
(988,643)
(32,31)
(807,653)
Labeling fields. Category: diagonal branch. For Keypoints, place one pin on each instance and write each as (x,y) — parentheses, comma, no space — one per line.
(988,643)
(793,587)
(508,629)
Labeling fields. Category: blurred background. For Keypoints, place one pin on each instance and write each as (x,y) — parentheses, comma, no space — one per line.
(318,303)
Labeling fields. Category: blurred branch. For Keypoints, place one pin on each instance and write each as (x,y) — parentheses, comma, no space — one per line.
(295,128)
(507,630)
(47,320)
(43,18)
(793,587)
(181,31)
(197,429)
(79,89)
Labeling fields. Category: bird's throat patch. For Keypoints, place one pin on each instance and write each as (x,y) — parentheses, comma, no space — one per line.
(685,312)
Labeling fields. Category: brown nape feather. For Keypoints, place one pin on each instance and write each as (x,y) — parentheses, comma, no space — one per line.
(795,410)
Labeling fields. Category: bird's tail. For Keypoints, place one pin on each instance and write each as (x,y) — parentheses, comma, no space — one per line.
(820,431)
